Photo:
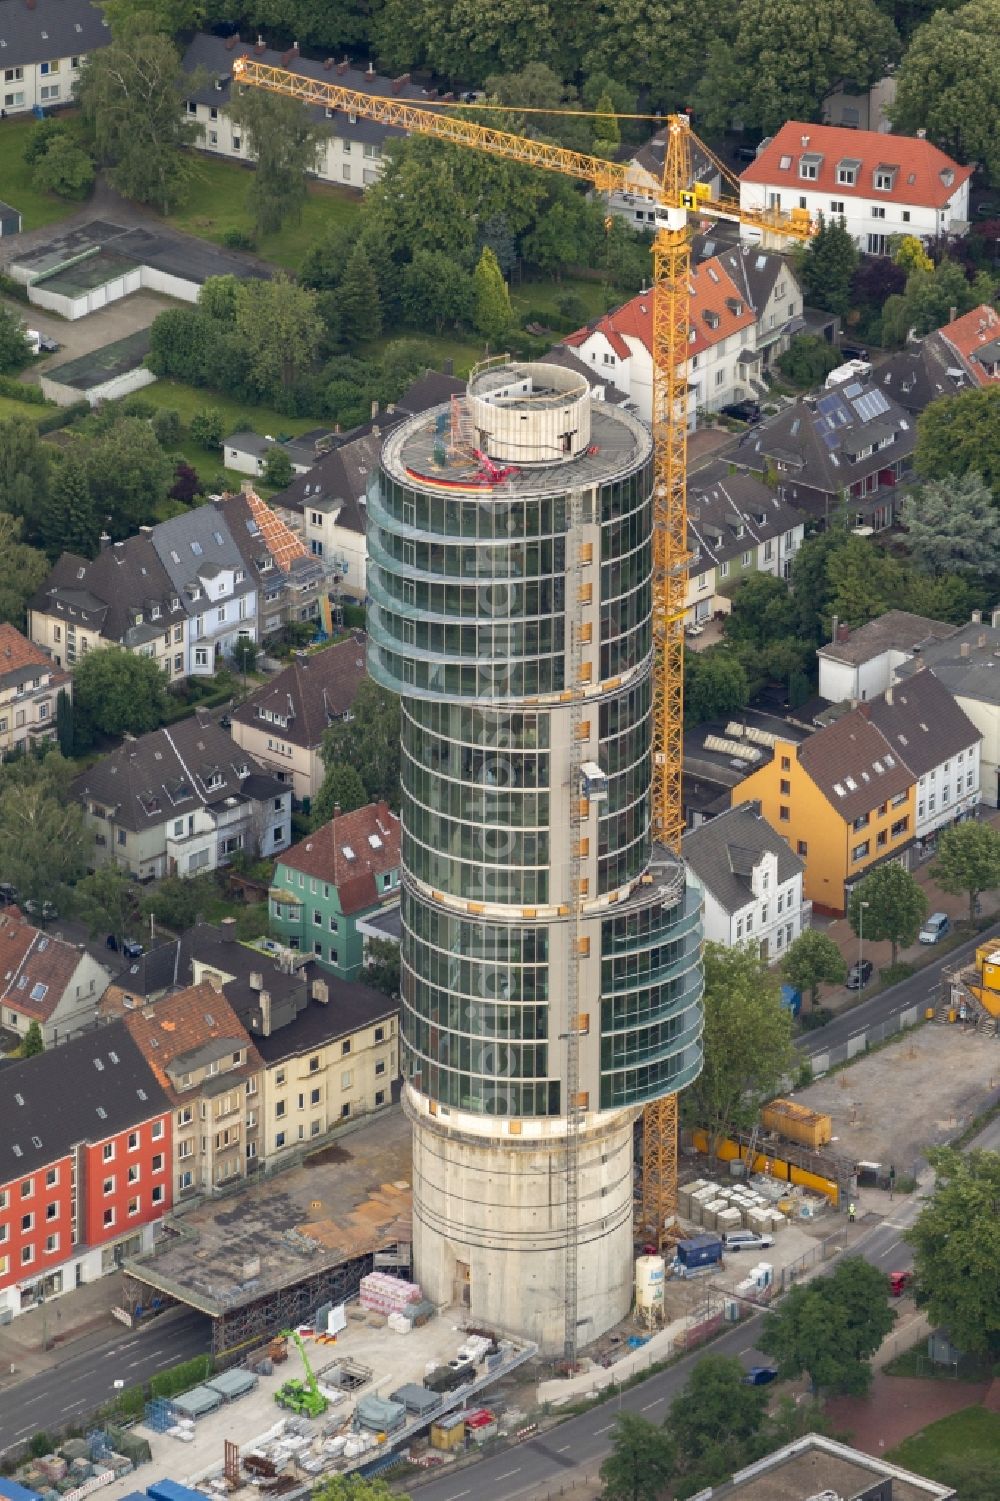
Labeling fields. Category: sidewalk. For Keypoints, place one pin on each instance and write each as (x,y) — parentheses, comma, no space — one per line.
(837,998)
(37,1341)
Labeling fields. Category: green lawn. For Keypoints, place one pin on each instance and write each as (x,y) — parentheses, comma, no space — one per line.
(37,208)
(534,294)
(216,202)
(972,1434)
(9,407)
(190,399)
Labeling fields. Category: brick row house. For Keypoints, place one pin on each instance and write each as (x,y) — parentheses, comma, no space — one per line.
(84,1165)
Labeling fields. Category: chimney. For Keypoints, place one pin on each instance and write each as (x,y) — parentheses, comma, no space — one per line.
(981,642)
(260,45)
(921,133)
(865,710)
(964,649)
(256,980)
(105,541)
(995,618)
(374,409)
(977,617)
(399,84)
(370,70)
(952,314)
(265,1013)
(228,926)
(755,807)
(888,697)
(805,142)
(843,632)
(216,983)
(327,64)
(232,41)
(146,531)
(336,810)
(343,66)
(321,992)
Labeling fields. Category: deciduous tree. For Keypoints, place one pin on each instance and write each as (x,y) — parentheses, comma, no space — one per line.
(65,169)
(436,291)
(22,570)
(108,902)
(830,1328)
(285,144)
(278,323)
(814,960)
(369,741)
(24,466)
(42,839)
(950,67)
(130,93)
(952,523)
(278,468)
(207,428)
(641,1463)
(896,907)
(956,1246)
(128,473)
(968,861)
(715,1424)
(15,351)
(115,691)
(715,684)
(959,433)
(747,1041)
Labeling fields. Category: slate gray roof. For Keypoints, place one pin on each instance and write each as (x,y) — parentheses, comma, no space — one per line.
(304,571)
(922,722)
(305,449)
(168,773)
(742,504)
(967,663)
(107,593)
(309,694)
(82,1091)
(817,443)
(351,1007)
(917,375)
(50,29)
(216,55)
(895,630)
(724,851)
(193,546)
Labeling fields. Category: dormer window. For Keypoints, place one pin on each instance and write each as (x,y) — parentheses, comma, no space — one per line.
(809,166)
(155,612)
(847,173)
(885,178)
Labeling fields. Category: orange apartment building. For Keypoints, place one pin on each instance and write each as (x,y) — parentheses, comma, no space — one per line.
(844,801)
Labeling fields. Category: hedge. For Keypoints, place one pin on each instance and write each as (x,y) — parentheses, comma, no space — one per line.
(20,390)
(180,1378)
(63,416)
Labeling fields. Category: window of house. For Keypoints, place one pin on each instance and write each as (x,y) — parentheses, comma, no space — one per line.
(314,1097)
(836,206)
(784,813)
(861,850)
(158,1194)
(133,1141)
(279,1140)
(900,827)
(786,763)
(133,1173)
(379,1067)
(345,1047)
(27,1188)
(345,1111)
(158,1163)
(185,1179)
(27,1223)
(379,1034)
(52,1211)
(314,1064)
(27,1255)
(133,1207)
(786,787)
(279,1109)
(109,1151)
(802,848)
(157,1130)
(847,173)
(109,1217)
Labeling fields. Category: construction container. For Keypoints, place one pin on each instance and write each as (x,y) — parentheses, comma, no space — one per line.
(809,1128)
(699,1251)
(650,1272)
(448,1433)
(480,1425)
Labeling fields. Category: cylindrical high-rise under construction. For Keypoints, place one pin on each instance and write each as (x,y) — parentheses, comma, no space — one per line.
(551,953)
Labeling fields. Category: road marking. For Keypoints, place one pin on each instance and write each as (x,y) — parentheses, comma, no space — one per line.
(888,1250)
(458,1495)
(655,1403)
(559,1451)
(133,1363)
(32,1400)
(82,1403)
(606,1429)
(746,1350)
(505,1476)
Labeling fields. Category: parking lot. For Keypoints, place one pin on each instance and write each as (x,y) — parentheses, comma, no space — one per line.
(85,334)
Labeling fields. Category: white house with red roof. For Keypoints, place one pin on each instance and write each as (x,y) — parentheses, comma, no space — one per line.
(744,305)
(880,185)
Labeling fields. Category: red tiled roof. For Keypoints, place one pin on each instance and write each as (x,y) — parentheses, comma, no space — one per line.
(325,854)
(185,1022)
(279,539)
(924,175)
(17,652)
(718,309)
(35,968)
(970,333)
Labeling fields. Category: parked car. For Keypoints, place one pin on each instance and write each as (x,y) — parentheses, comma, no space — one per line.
(853,352)
(47,344)
(49,913)
(859,974)
(899,1282)
(128,946)
(746,1240)
(8,894)
(759,1375)
(746,411)
(935,928)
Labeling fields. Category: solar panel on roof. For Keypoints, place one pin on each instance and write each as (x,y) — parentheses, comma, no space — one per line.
(830,439)
(826,404)
(870,405)
(854,389)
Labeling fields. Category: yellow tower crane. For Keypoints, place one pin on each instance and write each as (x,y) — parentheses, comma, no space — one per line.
(675,198)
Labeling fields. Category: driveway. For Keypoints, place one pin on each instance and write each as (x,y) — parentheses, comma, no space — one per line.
(86,334)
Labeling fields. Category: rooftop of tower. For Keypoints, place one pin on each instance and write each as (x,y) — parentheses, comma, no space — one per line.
(523,428)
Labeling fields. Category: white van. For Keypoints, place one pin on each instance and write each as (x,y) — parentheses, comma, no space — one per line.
(746,1240)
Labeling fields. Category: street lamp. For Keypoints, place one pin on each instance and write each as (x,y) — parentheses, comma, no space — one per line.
(862,909)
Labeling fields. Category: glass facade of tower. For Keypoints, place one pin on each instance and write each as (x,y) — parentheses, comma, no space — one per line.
(467,623)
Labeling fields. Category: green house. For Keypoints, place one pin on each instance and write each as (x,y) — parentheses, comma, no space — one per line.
(330,883)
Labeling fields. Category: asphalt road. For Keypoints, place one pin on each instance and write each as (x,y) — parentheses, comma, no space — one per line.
(82,1382)
(920,990)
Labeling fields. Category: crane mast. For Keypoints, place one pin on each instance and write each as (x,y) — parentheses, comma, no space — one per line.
(674,200)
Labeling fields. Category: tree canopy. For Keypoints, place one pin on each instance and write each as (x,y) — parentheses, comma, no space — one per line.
(896,907)
(130,93)
(641,1463)
(747,1041)
(285,144)
(968,861)
(953,523)
(43,843)
(108,902)
(369,742)
(715,684)
(956,1246)
(814,960)
(15,351)
(959,433)
(830,1327)
(715,1423)
(22,570)
(114,691)
(950,68)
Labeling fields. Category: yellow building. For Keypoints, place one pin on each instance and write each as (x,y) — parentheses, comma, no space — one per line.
(844,801)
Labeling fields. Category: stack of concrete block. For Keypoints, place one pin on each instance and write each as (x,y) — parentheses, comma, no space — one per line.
(727,1220)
